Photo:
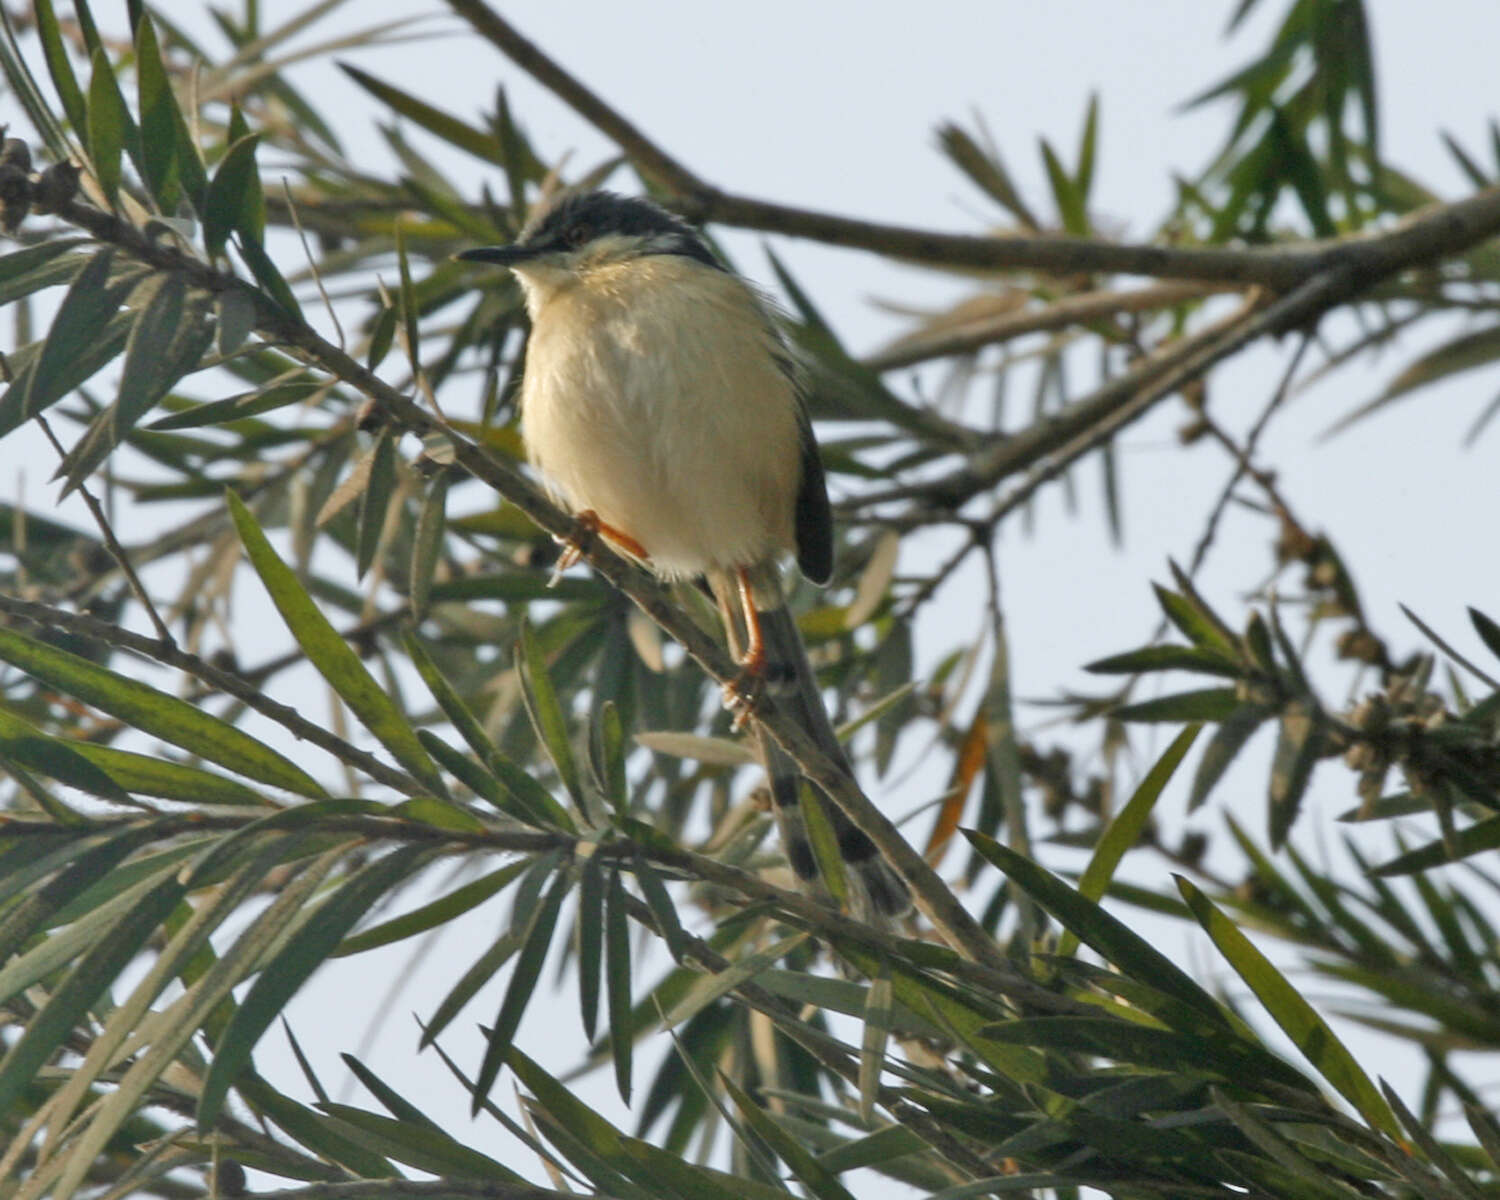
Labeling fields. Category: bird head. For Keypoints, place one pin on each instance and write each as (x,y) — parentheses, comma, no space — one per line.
(579,232)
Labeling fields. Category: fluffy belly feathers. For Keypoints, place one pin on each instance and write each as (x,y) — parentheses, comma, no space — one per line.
(675,427)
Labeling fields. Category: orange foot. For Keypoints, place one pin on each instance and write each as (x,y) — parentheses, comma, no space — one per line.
(741,694)
(589,525)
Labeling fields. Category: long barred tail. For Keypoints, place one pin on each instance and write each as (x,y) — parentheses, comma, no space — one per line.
(876,892)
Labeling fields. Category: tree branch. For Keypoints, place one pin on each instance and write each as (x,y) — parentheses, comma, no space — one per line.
(1429,234)
(171,655)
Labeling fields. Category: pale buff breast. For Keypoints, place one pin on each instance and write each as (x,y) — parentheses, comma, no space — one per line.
(652,398)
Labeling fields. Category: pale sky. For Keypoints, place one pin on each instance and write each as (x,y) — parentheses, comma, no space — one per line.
(834,105)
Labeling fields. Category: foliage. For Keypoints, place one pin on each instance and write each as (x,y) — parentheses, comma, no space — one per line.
(183,844)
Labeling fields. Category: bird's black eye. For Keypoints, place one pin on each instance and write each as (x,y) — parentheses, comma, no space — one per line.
(577,233)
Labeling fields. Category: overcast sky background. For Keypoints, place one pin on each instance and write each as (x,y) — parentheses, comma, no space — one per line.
(833,106)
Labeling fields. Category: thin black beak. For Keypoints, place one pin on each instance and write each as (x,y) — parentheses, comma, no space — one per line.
(503,256)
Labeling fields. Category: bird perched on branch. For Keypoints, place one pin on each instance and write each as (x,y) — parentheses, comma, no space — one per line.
(662,405)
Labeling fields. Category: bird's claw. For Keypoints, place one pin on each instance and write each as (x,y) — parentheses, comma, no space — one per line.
(590,526)
(742,694)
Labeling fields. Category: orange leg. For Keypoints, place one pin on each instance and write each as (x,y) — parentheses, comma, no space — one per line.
(740,695)
(591,525)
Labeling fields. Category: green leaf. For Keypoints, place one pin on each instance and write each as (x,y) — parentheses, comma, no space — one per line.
(709,988)
(82,986)
(1227,741)
(546,713)
(330,654)
(1065,194)
(234,202)
(274,287)
(1296,164)
(527,971)
(1467,352)
(242,406)
(825,847)
(154,775)
(480,972)
(144,708)
(1299,745)
(1166,658)
(1205,704)
(65,360)
(375,501)
(302,954)
(590,941)
(107,125)
(170,165)
(879,1008)
(60,66)
(820,1181)
(1106,934)
(167,340)
(427,543)
(617,982)
(986,171)
(1125,830)
(1088,140)
(180,1021)
(1297,1018)
(1488,631)
(92,857)
(23,744)
(47,264)
(1477,838)
(1187,610)
(423,1146)
(1125,1041)
(437,912)
(481,145)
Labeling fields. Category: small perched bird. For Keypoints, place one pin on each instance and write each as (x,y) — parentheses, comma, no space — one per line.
(663,407)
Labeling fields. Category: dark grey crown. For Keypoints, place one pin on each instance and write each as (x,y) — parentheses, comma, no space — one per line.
(580,217)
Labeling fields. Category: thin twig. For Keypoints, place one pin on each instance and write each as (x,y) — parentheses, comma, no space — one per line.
(970,336)
(116,551)
(1242,461)
(168,654)
(1425,235)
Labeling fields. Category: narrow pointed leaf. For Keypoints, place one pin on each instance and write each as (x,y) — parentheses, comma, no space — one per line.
(303,953)
(1299,745)
(82,986)
(1205,704)
(234,202)
(1125,830)
(483,146)
(432,915)
(154,712)
(590,941)
(1297,1018)
(617,982)
(877,1033)
(59,65)
(330,654)
(427,543)
(107,125)
(546,712)
(80,322)
(1231,735)
(523,979)
(1095,927)
(820,1181)
(375,501)
(170,165)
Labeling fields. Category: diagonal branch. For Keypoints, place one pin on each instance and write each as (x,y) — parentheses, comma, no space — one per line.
(169,654)
(1431,233)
